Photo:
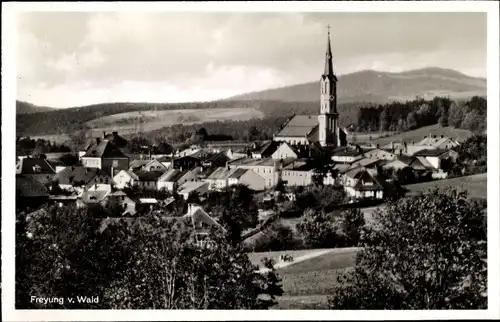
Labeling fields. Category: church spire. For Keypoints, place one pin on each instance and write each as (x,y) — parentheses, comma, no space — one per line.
(328,57)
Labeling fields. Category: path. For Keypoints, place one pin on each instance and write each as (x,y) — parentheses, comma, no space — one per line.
(299,259)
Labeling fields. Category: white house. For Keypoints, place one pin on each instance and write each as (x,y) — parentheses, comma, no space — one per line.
(285,151)
(125,178)
(436,156)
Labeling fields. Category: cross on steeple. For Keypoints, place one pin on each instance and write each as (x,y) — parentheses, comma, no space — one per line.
(328,27)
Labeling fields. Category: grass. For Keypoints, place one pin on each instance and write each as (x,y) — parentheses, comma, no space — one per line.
(256,258)
(418,134)
(308,284)
(476,185)
(125,123)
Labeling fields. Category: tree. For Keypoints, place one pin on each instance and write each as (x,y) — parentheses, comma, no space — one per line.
(236,211)
(474,121)
(353,222)
(411,120)
(385,119)
(253,133)
(445,111)
(318,230)
(168,271)
(426,252)
(456,114)
(60,253)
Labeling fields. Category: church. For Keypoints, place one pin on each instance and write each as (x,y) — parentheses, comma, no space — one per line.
(323,128)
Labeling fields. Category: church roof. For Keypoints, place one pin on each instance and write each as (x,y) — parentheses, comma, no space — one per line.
(299,126)
(328,60)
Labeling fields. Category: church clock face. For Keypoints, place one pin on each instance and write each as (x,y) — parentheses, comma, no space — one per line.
(332,97)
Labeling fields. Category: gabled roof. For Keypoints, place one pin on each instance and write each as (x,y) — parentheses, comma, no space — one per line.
(299,126)
(348,152)
(28,187)
(79,174)
(93,196)
(129,173)
(104,149)
(198,215)
(238,173)
(221,173)
(217,156)
(431,153)
(190,186)
(437,141)
(172,175)
(267,148)
(28,165)
(425,162)
(148,175)
(134,164)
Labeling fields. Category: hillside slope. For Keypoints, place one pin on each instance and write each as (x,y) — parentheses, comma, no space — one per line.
(382,87)
(28,108)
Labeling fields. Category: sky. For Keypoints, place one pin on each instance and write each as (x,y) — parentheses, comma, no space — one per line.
(67,59)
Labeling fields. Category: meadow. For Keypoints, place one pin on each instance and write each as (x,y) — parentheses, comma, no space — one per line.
(307,284)
(419,134)
(475,184)
(125,123)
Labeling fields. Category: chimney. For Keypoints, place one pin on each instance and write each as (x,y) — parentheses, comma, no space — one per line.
(442,136)
(112,172)
(378,145)
(98,140)
(103,134)
(115,133)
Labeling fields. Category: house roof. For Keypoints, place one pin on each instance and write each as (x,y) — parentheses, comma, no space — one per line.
(238,173)
(267,148)
(347,152)
(190,186)
(79,174)
(28,187)
(197,215)
(299,126)
(138,163)
(437,141)
(27,166)
(221,173)
(217,156)
(148,175)
(93,196)
(431,152)
(425,162)
(104,149)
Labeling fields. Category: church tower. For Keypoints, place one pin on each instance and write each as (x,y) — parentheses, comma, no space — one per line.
(328,118)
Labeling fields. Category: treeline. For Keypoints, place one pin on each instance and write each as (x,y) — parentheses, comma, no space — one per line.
(28,146)
(397,116)
(249,130)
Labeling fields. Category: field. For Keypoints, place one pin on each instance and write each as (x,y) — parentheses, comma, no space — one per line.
(418,134)
(476,185)
(307,284)
(125,123)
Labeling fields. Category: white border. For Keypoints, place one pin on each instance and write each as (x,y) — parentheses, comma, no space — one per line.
(8,165)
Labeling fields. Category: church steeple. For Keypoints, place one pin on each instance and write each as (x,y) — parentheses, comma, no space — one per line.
(328,58)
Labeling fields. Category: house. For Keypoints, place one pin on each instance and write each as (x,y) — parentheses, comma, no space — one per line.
(148,179)
(184,162)
(235,155)
(154,165)
(138,165)
(224,177)
(145,205)
(439,142)
(174,178)
(297,173)
(202,224)
(347,155)
(285,151)
(436,156)
(109,198)
(77,178)
(30,193)
(361,183)
(189,151)
(189,187)
(36,168)
(105,155)
(418,164)
(265,150)
(267,168)
(380,154)
(125,178)
(248,178)
(215,160)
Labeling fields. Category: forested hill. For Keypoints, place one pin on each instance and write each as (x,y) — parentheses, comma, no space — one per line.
(382,87)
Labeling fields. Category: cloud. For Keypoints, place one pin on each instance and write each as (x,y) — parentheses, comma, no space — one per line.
(189,55)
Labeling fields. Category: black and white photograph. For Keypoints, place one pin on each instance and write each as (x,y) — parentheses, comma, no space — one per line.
(203,157)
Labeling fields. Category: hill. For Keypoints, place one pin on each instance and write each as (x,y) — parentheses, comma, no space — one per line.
(420,133)
(27,108)
(476,185)
(382,87)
